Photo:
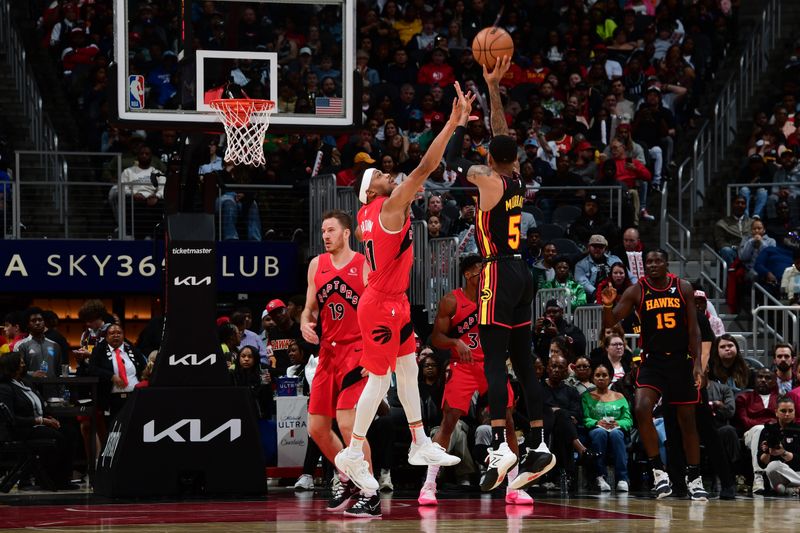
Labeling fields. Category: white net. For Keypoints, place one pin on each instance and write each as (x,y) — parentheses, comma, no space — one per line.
(246,122)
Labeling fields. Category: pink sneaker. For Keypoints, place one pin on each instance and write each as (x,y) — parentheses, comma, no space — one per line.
(427,495)
(518,497)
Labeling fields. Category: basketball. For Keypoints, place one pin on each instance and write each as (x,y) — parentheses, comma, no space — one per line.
(490,45)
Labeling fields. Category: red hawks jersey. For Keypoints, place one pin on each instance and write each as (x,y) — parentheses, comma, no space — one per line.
(338,292)
(464,325)
(390,254)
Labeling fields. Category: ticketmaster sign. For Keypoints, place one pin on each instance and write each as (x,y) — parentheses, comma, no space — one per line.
(37,266)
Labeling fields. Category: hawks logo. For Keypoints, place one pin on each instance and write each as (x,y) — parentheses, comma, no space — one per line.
(382,334)
(486,295)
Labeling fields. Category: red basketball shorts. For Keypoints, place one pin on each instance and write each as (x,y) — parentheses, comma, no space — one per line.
(386,330)
(337,383)
(465,379)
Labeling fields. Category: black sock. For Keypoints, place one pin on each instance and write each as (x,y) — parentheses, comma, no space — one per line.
(498,436)
(535,437)
(655,463)
(692,472)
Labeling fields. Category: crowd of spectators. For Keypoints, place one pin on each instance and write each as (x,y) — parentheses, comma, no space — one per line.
(758,238)
(598,92)
(589,394)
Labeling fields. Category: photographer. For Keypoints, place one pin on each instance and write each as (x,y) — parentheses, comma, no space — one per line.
(780,449)
(551,325)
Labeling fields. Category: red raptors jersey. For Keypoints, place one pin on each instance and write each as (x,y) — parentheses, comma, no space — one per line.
(338,292)
(464,325)
(390,254)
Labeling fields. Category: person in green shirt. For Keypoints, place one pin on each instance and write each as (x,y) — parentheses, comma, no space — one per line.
(607,416)
(564,280)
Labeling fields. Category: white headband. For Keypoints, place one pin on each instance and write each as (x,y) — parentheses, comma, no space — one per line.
(365,182)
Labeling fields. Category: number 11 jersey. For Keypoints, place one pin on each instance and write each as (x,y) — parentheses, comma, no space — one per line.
(338,294)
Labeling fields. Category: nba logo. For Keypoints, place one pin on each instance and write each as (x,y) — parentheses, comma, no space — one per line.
(136,91)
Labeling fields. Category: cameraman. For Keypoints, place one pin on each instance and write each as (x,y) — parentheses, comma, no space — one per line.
(780,449)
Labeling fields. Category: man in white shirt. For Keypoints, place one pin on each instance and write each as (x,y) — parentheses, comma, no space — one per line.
(145,185)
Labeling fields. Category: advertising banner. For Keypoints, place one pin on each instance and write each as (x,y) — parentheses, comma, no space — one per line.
(292,417)
(46,266)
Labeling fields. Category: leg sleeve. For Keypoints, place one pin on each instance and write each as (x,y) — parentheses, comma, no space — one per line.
(522,362)
(494,340)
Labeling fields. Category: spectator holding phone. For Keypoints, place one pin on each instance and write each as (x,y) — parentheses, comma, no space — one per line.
(607,416)
(779,449)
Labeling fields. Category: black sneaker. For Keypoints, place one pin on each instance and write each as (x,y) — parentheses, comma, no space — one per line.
(534,465)
(365,507)
(341,494)
(728,492)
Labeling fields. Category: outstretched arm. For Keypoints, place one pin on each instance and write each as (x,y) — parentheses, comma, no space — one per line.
(405,193)
(499,125)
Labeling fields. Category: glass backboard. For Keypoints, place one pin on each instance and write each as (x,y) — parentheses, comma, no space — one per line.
(172,59)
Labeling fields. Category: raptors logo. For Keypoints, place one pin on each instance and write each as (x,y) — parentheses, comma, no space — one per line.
(382,334)
(486,295)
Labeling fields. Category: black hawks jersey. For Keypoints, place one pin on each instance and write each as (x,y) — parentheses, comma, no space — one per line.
(498,230)
(663,317)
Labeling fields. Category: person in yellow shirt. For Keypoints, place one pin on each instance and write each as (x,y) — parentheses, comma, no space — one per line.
(409,25)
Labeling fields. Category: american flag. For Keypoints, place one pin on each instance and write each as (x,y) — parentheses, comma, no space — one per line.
(328,106)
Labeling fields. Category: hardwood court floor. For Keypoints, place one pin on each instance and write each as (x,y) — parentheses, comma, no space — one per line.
(284,511)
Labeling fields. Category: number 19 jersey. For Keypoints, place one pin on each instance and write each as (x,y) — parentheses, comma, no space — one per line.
(338,294)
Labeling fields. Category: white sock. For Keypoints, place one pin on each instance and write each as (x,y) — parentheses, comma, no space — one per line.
(433,471)
(356,445)
(371,397)
(368,493)
(512,474)
(418,435)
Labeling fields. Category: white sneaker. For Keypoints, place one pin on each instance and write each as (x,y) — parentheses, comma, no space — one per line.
(697,492)
(385,481)
(356,468)
(430,453)
(622,486)
(498,463)
(603,485)
(304,482)
(427,494)
(661,484)
(758,483)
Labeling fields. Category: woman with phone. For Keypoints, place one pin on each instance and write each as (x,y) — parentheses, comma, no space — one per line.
(607,416)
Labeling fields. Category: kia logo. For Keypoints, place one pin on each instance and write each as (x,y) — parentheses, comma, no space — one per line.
(192,281)
(233,426)
(191,359)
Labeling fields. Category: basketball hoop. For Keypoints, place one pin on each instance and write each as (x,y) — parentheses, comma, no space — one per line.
(246,122)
